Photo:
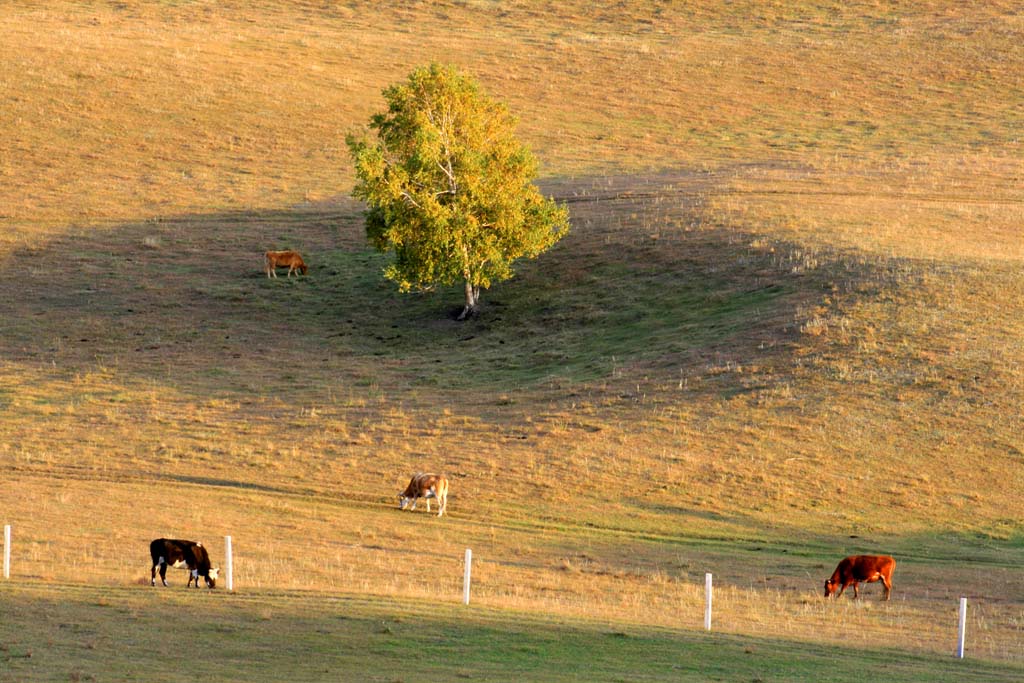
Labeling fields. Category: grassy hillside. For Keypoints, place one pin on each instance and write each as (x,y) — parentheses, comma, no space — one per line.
(302,636)
(785,327)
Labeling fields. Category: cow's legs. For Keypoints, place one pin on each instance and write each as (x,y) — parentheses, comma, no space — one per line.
(855,593)
(888,587)
(163,571)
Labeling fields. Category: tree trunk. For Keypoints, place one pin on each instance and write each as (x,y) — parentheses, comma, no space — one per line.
(472,299)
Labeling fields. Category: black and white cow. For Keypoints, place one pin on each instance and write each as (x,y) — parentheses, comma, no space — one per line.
(182,555)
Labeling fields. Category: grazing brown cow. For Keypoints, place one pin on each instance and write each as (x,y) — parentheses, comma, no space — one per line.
(181,555)
(857,568)
(425,486)
(290,259)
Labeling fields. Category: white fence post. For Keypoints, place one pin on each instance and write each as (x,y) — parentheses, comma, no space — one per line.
(963,629)
(465,580)
(7,551)
(707,601)
(229,578)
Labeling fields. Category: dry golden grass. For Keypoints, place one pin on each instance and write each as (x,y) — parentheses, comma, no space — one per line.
(787,324)
(131,111)
(302,543)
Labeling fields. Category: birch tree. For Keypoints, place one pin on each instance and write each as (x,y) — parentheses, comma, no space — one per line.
(449,188)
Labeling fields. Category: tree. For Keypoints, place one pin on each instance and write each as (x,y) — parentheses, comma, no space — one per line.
(449,189)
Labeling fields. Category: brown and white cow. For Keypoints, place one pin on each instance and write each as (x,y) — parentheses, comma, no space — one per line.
(425,486)
(290,259)
(857,568)
(182,555)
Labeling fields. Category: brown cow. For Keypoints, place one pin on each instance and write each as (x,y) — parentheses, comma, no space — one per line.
(290,259)
(181,555)
(425,486)
(857,568)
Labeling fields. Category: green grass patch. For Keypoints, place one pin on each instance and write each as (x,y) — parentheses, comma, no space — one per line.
(113,634)
(533,327)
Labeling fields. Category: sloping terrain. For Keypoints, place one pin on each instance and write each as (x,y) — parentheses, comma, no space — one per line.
(786,326)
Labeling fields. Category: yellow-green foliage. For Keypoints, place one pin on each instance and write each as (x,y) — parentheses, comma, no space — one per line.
(786,324)
(450,189)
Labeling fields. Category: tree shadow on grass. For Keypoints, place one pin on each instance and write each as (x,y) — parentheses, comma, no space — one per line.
(644,278)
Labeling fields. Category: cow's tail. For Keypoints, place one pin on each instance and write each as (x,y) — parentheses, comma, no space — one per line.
(159,563)
(442,495)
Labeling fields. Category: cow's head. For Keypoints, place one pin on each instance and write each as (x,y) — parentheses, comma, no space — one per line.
(211,578)
(831,587)
(403,501)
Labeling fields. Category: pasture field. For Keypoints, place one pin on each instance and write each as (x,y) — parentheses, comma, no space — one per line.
(122,633)
(787,326)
